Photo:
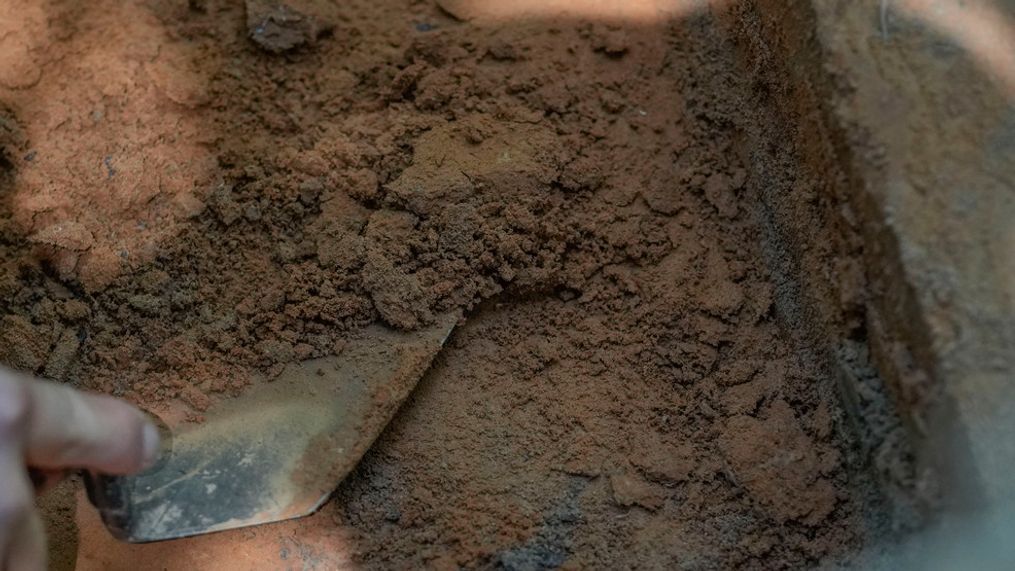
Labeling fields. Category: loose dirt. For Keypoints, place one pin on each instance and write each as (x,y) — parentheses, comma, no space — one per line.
(235,188)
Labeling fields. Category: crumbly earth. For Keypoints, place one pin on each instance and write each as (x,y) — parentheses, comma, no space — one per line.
(252,183)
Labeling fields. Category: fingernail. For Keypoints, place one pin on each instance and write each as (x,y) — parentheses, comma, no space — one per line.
(150,445)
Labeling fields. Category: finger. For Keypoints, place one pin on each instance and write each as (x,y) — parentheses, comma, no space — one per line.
(28,545)
(68,428)
(22,541)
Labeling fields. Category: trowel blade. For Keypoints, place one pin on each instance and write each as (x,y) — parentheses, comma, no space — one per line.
(277,451)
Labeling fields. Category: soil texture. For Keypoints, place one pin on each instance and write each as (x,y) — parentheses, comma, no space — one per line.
(198,193)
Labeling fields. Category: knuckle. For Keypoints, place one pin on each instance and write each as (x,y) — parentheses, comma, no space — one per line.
(15,406)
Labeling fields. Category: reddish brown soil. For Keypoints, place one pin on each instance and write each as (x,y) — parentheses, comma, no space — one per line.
(190,200)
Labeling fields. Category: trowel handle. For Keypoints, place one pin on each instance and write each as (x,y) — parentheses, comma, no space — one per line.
(109,495)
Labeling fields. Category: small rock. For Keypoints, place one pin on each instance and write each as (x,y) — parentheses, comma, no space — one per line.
(310,190)
(252,213)
(612,42)
(474,135)
(392,514)
(501,50)
(630,490)
(463,10)
(276,27)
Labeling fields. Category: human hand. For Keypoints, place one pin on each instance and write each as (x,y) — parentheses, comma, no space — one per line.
(51,427)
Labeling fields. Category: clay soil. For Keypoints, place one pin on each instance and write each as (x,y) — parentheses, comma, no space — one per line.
(198,193)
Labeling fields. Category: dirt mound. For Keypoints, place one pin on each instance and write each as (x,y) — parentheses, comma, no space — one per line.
(622,395)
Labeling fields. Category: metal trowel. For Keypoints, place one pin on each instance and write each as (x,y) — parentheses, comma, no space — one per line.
(277,451)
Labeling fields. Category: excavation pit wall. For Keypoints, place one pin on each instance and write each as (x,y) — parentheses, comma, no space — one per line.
(688,329)
(916,117)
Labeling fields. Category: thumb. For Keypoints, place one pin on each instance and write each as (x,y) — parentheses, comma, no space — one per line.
(71,429)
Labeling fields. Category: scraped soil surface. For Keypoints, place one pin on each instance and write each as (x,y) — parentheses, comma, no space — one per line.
(196,194)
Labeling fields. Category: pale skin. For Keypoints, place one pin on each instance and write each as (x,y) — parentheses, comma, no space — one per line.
(53,428)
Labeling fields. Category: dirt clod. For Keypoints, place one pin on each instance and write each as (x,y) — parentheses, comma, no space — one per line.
(630,490)
(781,470)
(22,345)
(277,27)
